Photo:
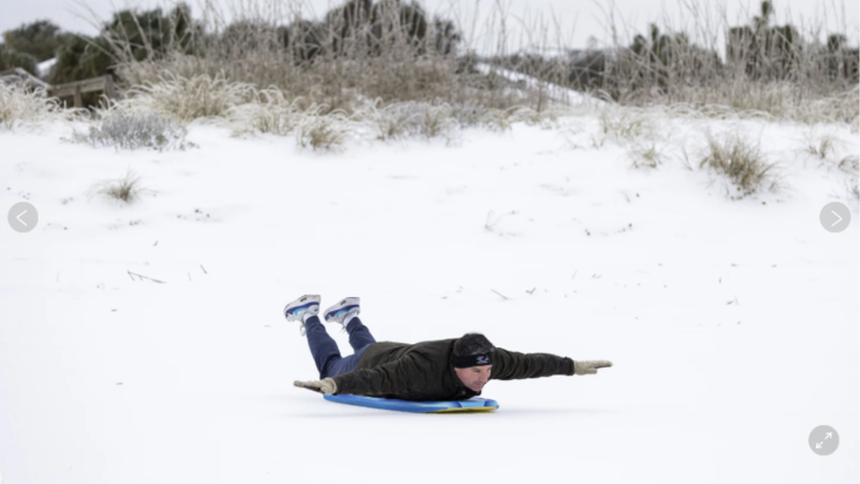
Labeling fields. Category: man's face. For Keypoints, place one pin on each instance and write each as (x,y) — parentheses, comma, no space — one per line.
(474,377)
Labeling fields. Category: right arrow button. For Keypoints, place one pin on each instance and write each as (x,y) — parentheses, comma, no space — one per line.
(835,217)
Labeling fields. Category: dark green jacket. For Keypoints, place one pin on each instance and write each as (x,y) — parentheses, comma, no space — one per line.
(423,371)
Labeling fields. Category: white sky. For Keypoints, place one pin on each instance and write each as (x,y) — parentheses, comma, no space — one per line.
(578,19)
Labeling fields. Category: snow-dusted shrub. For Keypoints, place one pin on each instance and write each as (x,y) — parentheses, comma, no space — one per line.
(322,132)
(270,112)
(439,119)
(404,119)
(624,125)
(738,159)
(394,121)
(132,129)
(435,121)
(842,107)
(20,104)
(474,114)
(187,99)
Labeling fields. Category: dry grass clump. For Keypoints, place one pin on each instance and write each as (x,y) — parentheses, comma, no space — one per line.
(843,107)
(646,156)
(190,98)
(625,126)
(850,164)
(472,114)
(126,189)
(830,149)
(21,104)
(822,147)
(130,129)
(394,121)
(739,160)
(323,132)
(270,112)
(407,119)
(622,125)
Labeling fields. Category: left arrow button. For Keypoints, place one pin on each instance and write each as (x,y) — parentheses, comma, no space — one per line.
(23,217)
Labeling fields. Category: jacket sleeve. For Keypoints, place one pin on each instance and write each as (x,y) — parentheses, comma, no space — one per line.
(510,365)
(394,377)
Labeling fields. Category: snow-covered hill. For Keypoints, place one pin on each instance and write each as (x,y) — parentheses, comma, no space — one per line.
(732,324)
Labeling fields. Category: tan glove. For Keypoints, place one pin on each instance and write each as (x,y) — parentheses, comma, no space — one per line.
(589,367)
(326,385)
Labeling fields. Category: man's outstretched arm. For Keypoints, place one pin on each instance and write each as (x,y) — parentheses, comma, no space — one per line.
(511,365)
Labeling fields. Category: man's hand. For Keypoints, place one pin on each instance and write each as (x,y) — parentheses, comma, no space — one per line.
(589,367)
(326,385)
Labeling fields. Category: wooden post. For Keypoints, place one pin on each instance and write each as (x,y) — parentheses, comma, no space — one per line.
(109,88)
(78,101)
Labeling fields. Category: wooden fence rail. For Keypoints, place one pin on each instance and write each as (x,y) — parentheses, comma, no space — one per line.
(75,90)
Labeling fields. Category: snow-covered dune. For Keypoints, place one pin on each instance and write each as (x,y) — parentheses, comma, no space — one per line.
(144,342)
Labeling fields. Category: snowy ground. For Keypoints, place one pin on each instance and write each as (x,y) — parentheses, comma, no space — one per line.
(733,325)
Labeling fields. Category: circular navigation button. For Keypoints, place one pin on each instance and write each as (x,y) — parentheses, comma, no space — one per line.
(835,217)
(23,217)
(823,440)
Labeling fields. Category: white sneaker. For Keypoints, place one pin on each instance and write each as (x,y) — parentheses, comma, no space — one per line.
(308,304)
(342,310)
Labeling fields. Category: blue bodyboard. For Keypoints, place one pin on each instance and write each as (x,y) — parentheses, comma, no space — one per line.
(474,404)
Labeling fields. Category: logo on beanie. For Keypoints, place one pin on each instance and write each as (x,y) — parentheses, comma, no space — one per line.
(471,360)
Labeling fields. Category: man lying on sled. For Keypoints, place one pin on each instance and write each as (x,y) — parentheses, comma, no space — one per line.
(450,369)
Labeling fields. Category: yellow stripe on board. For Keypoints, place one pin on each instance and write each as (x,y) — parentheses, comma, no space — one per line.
(465,410)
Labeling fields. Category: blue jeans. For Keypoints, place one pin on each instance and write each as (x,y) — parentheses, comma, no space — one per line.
(324,349)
